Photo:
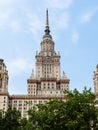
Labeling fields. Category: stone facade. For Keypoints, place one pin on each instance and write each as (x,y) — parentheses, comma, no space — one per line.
(4,98)
(47,83)
(48,80)
(95,79)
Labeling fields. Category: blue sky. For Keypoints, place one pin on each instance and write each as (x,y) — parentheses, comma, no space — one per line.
(74,28)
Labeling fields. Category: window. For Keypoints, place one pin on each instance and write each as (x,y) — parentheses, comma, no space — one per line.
(40,102)
(35,101)
(58,87)
(20,104)
(52,84)
(15,101)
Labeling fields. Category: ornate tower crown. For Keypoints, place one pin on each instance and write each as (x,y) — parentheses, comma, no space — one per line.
(48,81)
(47,30)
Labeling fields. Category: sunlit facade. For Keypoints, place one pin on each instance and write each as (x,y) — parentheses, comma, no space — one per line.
(45,84)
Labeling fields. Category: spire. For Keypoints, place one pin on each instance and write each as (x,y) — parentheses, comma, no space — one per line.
(47,31)
(47,22)
(97,68)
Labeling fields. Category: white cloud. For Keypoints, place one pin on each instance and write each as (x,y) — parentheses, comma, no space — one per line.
(35,23)
(62,21)
(75,37)
(5,2)
(18,66)
(60,4)
(7,21)
(5,16)
(8,13)
(15,26)
(86,17)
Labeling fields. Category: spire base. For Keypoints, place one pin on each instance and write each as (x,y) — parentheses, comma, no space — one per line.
(47,30)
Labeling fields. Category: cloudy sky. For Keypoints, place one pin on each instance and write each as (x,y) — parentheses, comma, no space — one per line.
(74,28)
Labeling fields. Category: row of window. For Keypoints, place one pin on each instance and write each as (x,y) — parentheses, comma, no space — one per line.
(27,103)
(45,86)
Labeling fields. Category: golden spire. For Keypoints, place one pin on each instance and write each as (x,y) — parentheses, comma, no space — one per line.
(47,22)
(47,31)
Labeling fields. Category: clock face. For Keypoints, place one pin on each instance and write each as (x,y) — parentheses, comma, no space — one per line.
(47,57)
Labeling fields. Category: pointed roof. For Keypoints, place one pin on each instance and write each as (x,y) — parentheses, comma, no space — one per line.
(32,74)
(47,21)
(47,30)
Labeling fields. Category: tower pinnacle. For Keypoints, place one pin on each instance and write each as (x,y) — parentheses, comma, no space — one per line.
(47,31)
(47,22)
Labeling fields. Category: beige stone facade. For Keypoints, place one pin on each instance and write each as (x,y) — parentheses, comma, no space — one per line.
(95,78)
(45,84)
(4,97)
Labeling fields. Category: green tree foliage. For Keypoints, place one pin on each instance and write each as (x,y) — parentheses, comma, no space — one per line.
(10,120)
(48,116)
(25,124)
(1,119)
(79,112)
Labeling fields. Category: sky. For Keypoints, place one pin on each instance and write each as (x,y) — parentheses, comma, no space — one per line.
(74,28)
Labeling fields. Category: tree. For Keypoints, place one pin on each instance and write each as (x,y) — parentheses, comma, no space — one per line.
(1,119)
(48,116)
(11,120)
(79,112)
(25,124)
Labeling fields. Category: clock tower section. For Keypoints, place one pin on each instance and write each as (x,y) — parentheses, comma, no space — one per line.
(47,82)
(47,60)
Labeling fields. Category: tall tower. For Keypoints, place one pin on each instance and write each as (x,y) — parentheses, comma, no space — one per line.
(3,77)
(48,81)
(47,60)
(4,97)
(95,79)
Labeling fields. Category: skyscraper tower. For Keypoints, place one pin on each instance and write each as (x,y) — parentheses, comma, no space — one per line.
(3,77)
(48,80)
(4,101)
(95,79)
